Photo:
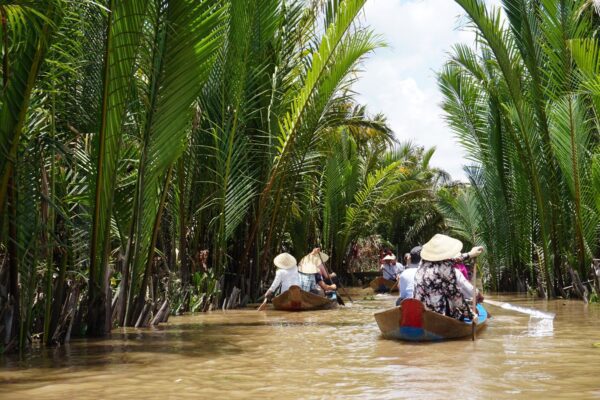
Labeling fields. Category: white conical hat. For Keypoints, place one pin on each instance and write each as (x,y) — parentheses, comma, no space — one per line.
(284,261)
(441,247)
(389,257)
(310,263)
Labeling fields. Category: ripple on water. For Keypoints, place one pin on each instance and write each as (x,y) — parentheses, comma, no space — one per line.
(329,354)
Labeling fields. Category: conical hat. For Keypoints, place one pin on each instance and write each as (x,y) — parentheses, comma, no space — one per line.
(389,257)
(284,261)
(441,247)
(309,264)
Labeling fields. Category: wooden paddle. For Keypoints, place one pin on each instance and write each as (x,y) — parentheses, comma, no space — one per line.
(339,283)
(262,306)
(473,323)
(394,285)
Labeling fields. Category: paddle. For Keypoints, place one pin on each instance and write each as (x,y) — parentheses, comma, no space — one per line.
(473,323)
(394,285)
(262,306)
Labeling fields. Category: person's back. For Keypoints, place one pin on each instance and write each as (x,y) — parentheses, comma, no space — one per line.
(438,285)
(407,277)
(310,278)
(407,283)
(288,277)
(308,283)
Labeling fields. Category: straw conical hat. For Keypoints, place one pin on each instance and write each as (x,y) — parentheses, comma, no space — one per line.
(310,263)
(441,247)
(284,261)
(389,257)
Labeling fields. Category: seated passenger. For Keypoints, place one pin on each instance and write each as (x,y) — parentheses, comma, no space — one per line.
(462,268)
(438,285)
(286,276)
(406,283)
(406,260)
(308,271)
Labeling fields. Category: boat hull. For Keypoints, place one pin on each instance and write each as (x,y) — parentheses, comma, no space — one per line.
(412,322)
(380,284)
(296,299)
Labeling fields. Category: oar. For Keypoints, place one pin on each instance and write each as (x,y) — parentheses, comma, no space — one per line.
(341,286)
(262,306)
(345,291)
(473,323)
(394,285)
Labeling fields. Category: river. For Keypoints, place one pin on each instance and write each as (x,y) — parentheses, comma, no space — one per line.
(337,353)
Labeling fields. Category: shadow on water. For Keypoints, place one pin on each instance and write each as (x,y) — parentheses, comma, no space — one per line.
(93,352)
(245,354)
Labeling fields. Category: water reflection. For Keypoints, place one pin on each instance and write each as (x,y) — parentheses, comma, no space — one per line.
(333,354)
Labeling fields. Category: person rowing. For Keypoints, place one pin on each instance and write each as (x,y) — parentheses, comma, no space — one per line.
(438,285)
(390,268)
(286,276)
(311,279)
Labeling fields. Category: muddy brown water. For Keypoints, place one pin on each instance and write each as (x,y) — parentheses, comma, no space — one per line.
(338,353)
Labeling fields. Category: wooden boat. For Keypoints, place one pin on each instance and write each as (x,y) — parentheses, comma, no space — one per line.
(296,299)
(380,284)
(412,322)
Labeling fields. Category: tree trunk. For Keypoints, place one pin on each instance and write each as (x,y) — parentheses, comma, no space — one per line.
(14,322)
(163,313)
(99,306)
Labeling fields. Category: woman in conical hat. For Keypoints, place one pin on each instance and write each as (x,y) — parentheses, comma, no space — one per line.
(391,268)
(440,286)
(286,276)
(309,272)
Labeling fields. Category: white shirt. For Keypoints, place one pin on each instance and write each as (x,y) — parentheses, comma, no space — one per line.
(285,278)
(463,284)
(391,271)
(407,283)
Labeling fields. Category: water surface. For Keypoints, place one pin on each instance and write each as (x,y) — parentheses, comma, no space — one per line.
(326,354)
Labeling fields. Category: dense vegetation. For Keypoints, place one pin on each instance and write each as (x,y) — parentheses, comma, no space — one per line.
(156,154)
(525,105)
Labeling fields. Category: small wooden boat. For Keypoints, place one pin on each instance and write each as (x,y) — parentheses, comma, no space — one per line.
(296,299)
(380,284)
(411,321)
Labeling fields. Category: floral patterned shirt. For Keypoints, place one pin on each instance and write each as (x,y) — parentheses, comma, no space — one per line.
(439,287)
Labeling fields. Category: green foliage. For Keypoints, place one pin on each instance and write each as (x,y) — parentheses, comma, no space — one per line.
(594,298)
(524,106)
(144,141)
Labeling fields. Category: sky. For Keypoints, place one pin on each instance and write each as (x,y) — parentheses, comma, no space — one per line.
(400,79)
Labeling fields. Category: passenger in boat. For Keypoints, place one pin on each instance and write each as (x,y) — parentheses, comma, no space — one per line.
(406,284)
(462,268)
(438,285)
(328,278)
(406,260)
(391,269)
(311,279)
(286,276)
